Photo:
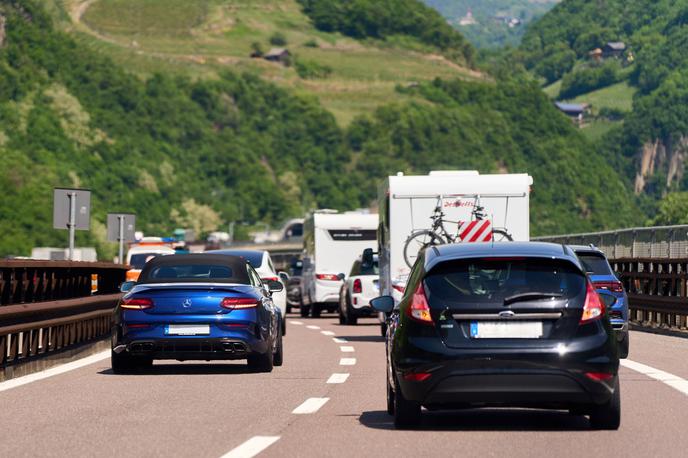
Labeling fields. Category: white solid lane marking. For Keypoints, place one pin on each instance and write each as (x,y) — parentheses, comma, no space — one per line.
(672,380)
(313,327)
(310,405)
(339,340)
(57,370)
(327,333)
(347,361)
(347,349)
(337,378)
(299,323)
(252,447)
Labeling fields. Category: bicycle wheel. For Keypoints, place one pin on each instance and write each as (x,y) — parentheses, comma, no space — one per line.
(417,242)
(500,235)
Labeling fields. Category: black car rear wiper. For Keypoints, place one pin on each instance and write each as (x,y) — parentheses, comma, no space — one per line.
(533,295)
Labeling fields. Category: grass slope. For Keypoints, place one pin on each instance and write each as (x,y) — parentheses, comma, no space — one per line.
(201,38)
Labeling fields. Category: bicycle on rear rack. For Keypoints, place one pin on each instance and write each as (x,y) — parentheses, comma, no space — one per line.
(439,235)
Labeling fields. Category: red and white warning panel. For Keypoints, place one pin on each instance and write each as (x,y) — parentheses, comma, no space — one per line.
(476,231)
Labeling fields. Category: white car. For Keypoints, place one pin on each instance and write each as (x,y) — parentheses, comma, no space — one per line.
(261,261)
(139,254)
(361,285)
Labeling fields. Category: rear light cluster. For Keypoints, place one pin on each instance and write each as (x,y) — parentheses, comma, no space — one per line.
(137,304)
(417,376)
(358,286)
(267,279)
(238,303)
(328,277)
(594,307)
(419,309)
(599,376)
(399,287)
(613,286)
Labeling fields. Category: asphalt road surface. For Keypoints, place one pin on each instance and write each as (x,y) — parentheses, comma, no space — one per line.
(327,400)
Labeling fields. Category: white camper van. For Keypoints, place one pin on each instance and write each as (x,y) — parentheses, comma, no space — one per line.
(447,207)
(332,242)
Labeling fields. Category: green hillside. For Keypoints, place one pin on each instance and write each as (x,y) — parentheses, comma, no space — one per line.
(646,98)
(493,26)
(185,151)
(202,38)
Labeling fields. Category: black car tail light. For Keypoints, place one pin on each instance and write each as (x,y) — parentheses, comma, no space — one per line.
(419,310)
(594,307)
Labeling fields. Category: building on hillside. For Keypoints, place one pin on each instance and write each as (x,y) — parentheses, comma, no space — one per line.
(280,55)
(468,19)
(613,49)
(576,111)
(596,55)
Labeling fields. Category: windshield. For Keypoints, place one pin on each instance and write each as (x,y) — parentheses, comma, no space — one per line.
(496,280)
(139,260)
(595,264)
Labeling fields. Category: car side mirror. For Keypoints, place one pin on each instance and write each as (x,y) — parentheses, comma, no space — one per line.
(384,304)
(341,276)
(275,286)
(127,286)
(283,276)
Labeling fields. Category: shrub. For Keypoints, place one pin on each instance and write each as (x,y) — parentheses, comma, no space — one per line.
(310,69)
(278,39)
(589,79)
(312,43)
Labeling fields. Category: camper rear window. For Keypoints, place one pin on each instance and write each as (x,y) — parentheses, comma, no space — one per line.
(353,234)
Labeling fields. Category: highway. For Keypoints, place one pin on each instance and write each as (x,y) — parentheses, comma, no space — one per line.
(327,400)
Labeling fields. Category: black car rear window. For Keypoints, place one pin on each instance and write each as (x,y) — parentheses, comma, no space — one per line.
(595,263)
(492,280)
(255,258)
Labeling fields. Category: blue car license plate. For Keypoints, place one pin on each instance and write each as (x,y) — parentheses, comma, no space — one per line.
(187,329)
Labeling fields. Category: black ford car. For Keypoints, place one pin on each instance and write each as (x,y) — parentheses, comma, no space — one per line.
(500,324)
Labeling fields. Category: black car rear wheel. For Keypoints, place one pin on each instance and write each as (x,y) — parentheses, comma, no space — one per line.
(624,347)
(315,310)
(608,416)
(406,413)
(278,357)
(351,318)
(390,399)
(303,310)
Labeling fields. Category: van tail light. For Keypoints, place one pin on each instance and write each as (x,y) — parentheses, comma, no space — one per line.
(594,307)
(267,279)
(419,310)
(137,304)
(613,286)
(328,277)
(358,286)
(238,303)
(399,287)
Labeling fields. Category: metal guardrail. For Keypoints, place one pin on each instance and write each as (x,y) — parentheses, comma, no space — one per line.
(640,242)
(652,263)
(48,305)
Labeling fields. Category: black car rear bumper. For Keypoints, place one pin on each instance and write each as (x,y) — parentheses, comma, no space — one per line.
(539,378)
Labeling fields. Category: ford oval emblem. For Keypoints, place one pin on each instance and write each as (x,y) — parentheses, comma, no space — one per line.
(186,303)
(506,314)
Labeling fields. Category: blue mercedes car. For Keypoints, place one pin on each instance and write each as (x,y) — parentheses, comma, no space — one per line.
(610,289)
(197,307)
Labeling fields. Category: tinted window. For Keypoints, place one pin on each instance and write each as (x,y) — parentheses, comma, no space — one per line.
(139,260)
(191,272)
(492,280)
(255,258)
(595,264)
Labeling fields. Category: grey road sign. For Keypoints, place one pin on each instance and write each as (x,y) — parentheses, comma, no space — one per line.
(128,227)
(62,200)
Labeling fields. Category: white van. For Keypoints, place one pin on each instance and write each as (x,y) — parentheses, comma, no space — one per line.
(474,208)
(332,242)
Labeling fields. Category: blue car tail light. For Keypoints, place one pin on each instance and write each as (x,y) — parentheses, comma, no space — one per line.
(238,303)
(613,286)
(137,304)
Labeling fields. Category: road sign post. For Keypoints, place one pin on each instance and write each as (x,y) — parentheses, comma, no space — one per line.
(72,211)
(121,228)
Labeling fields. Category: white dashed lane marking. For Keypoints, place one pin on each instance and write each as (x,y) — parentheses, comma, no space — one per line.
(251,447)
(339,340)
(337,378)
(672,380)
(347,349)
(298,323)
(347,361)
(310,405)
(313,327)
(327,333)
